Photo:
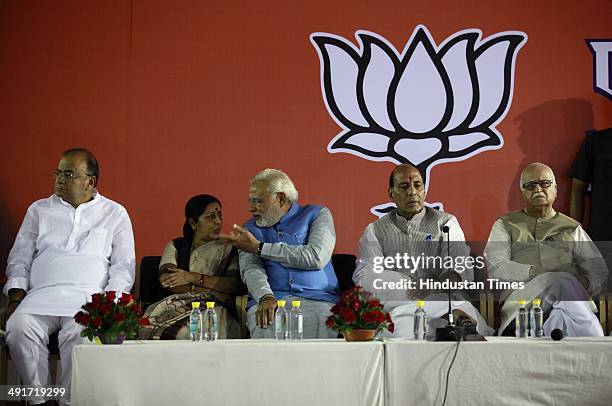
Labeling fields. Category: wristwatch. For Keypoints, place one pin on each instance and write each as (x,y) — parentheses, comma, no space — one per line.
(259,249)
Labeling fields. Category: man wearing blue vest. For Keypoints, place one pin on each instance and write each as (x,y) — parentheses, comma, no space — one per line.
(285,253)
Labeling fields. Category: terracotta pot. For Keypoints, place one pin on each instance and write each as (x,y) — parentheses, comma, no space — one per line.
(359,335)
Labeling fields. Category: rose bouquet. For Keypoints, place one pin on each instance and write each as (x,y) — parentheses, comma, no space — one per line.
(359,310)
(110,318)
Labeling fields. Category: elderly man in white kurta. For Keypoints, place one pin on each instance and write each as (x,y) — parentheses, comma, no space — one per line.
(69,246)
(551,255)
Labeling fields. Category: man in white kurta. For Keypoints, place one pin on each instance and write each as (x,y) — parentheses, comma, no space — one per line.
(416,231)
(551,255)
(69,246)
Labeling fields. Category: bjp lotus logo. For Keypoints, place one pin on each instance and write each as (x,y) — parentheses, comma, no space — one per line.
(426,105)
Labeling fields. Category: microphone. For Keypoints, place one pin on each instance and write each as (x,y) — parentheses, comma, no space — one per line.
(556,334)
(446,231)
(450,332)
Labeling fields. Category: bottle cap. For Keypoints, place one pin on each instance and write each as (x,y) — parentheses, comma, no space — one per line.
(195,305)
(210,305)
(295,303)
(420,304)
(522,302)
(281,303)
(537,302)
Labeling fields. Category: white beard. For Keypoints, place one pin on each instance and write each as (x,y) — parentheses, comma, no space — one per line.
(270,218)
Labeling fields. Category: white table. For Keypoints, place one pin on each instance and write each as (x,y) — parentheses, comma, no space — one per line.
(229,372)
(502,371)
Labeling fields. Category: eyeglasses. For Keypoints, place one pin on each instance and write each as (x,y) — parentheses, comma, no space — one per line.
(68,175)
(544,184)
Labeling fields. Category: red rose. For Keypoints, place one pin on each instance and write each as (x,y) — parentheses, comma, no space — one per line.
(110,296)
(126,298)
(137,308)
(105,309)
(85,319)
(118,317)
(97,321)
(335,309)
(374,303)
(348,315)
(78,317)
(96,299)
(329,322)
(391,327)
(355,305)
(144,322)
(388,317)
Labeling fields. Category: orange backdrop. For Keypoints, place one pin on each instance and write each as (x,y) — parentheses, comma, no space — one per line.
(181,97)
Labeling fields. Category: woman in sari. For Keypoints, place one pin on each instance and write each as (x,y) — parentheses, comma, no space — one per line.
(197,267)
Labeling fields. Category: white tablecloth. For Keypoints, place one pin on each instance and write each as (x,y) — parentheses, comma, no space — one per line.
(502,371)
(229,372)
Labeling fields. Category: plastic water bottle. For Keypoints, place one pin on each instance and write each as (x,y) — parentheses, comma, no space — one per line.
(281,321)
(536,321)
(521,320)
(296,320)
(419,321)
(195,322)
(210,322)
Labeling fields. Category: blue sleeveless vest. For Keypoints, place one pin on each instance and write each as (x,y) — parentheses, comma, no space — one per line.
(293,229)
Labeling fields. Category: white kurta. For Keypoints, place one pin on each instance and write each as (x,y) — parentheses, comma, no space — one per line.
(62,255)
(402,310)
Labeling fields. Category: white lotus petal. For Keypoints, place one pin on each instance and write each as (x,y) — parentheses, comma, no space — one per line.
(343,72)
(417,151)
(460,142)
(376,210)
(420,101)
(490,72)
(369,141)
(455,63)
(378,76)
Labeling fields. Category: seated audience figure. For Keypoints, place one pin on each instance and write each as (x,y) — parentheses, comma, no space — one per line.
(415,230)
(197,267)
(285,253)
(551,255)
(70,245)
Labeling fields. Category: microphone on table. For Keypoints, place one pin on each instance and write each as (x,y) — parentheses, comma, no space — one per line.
(450,332)
(556,334)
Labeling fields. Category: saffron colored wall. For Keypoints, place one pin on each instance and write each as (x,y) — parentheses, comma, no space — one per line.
(182,97)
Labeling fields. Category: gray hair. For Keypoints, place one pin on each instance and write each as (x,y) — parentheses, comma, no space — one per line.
(531,166)
(278,182)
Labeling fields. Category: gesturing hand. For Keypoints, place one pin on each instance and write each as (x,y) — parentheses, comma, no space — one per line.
(242,239)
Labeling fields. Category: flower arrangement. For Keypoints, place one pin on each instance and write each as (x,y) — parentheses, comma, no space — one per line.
(111,319)
(359,310)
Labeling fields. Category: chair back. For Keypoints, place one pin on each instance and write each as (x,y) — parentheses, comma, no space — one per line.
(344,266)
(151,290)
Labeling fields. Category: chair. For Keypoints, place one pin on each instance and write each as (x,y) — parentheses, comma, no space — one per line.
(344,267)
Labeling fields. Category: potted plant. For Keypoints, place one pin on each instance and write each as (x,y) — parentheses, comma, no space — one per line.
(359,316)
(111,319)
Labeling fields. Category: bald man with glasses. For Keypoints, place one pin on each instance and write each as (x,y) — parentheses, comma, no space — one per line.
(70,245)
(550,256)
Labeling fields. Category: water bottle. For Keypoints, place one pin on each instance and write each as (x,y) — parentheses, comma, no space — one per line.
(281,321)
(210,322)
(536,321)
(195,322)
(296,319)
(521,320)
(419,321)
